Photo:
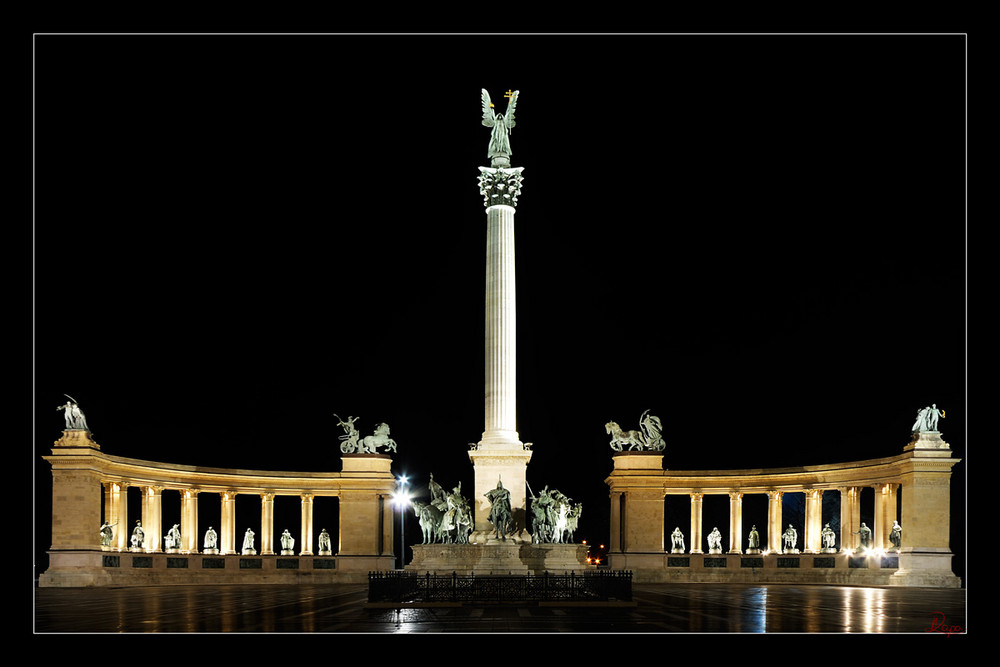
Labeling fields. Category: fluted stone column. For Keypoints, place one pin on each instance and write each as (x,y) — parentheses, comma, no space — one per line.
(227,527)
(189,521)
(850,517)
(735,522)
(813,539)
(307,525)
(152,521)
(885,513)
(266,523)
(774,521)
(117,514)
(500,456)
(696,506)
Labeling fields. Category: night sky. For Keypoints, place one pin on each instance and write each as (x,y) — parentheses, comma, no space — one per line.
(760,239)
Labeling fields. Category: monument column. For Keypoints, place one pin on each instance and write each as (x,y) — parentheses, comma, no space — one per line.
(500,456)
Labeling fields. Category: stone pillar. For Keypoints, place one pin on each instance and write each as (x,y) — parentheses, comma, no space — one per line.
(227,526)
(850,518)
(388,542)
(774,521)
(152,518)
(813,539)
(617,543)
(735,522)
(925,555)
(696,504)
(111,508)
(891,512)
(885,514)
(366,539)
(117,513)
(267,523)
(189,521)
(306,546)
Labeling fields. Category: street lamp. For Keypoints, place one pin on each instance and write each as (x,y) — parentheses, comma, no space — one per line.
(401,499)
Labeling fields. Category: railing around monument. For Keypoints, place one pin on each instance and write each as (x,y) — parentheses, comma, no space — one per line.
(600,586)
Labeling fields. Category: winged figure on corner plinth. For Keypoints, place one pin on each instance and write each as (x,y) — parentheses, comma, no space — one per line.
(499,150)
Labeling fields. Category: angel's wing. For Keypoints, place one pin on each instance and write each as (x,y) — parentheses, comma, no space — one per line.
(509,117)
(489,116)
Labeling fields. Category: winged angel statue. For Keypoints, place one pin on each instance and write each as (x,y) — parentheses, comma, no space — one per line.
(502,124)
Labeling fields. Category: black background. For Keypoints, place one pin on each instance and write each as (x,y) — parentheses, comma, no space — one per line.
(759,238)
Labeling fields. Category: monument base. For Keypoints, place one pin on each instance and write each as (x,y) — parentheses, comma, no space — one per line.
(507,557)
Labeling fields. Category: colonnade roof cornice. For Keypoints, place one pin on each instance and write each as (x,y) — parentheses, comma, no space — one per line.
(867,472)
(136,472)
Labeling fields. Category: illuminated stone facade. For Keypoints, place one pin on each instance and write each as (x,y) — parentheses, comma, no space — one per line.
(917,481)
(81,474)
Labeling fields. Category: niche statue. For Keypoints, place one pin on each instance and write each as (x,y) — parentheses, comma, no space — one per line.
(287,543)
(172,540)
(211,541)
(677,541)
(790,538)
(715,542)
(753,541)
(248,549)
(829,540)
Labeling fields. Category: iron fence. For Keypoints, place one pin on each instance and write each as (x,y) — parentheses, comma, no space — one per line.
(598,586)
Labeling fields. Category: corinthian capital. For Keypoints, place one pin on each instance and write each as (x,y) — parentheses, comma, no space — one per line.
(500,186)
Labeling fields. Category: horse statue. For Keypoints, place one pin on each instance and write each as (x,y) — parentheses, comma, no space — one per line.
(381,438)
(620,438)
(572,521)
(430,521)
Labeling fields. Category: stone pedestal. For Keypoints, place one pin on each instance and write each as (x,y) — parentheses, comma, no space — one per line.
(496,557)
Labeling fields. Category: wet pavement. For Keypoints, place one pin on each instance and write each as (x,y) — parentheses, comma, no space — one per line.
(660,608)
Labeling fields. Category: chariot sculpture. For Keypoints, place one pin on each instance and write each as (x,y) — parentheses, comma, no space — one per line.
(352,443)
(648,437)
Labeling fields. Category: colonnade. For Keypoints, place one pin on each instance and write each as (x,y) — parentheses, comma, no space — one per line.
(90,492)
(912,488)
(116,515)
(850,518)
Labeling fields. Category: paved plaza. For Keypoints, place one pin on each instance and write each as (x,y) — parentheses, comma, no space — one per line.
(661,608)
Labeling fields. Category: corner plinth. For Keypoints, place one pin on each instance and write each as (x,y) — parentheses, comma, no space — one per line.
(75,439)
(367,463)
(648,460)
